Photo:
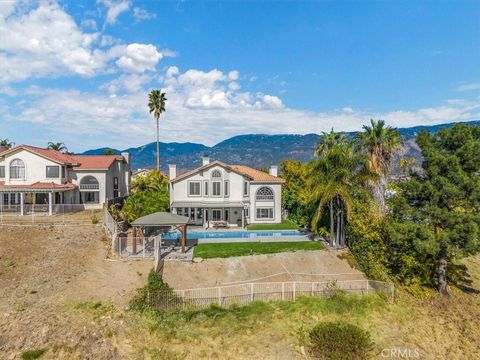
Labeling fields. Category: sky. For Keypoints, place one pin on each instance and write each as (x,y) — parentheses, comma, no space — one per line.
(79,72)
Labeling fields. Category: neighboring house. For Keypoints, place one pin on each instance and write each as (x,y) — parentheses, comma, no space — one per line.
(217,192)
(34,176)
(141,173)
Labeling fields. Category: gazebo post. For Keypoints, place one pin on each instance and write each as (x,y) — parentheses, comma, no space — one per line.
(184,237)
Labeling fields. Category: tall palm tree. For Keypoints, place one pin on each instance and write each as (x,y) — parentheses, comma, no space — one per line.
(327,141)
(6,143)
(58,146)
(156,105)
(380,143)
(332,179)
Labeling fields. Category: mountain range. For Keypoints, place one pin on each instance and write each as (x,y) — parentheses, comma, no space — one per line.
(255,150)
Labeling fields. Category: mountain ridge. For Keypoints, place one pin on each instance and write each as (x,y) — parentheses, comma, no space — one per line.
(255,150)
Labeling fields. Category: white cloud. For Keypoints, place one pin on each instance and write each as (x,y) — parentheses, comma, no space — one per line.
(469,86)
(89,24)
(114,9)
(141,14)
(139,58)
(201,107)
(45,41)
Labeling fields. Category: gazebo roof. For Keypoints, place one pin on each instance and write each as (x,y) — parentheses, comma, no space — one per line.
(161,219)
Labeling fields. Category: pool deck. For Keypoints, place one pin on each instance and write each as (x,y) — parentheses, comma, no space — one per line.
(293,238)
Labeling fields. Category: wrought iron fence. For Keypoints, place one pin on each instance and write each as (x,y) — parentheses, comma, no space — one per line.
(243,294)
(40,214)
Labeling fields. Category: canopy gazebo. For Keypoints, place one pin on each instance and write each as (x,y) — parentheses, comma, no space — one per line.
(164,219)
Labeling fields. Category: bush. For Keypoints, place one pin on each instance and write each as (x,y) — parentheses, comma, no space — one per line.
(32,354)
(154,282)
(339,340)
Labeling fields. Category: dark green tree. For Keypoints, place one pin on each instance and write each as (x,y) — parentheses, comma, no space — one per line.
(435,217)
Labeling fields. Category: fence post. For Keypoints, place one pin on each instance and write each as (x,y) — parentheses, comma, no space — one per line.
(143,244)
(294,291)
(312,287)
(283,291)
(219,296)
(251,291)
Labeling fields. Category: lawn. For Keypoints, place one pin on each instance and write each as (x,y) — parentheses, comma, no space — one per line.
(284,225)
(224,250)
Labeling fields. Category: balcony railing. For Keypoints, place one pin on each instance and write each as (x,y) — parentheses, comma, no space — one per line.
(89,187)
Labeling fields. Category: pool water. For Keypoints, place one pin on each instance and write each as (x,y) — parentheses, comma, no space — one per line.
(232,234)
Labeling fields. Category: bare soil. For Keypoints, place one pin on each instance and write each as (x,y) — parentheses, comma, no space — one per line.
(58,293)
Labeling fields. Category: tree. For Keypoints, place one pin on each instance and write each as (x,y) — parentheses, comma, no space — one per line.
(294,173)
(156,105)
(149,195)
(435,215)
(109,151)
(380,142)
(59,146)
(332,178)
(6,143)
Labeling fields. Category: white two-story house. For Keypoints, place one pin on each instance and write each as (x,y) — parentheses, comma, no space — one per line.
(236,194)
(35,178)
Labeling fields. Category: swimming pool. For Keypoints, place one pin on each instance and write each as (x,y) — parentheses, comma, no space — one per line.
(233,234)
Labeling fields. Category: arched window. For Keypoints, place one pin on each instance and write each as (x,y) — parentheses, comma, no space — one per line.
(264,194)
(89,183)
(17,169)
(216,174)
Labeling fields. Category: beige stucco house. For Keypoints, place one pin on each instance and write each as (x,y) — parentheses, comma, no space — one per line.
(33,178)
(217,192)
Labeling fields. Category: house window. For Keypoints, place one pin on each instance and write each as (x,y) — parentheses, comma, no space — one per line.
(179,211)
(216,174)
(2,172)
(265,213)
(194,188)
(264,194)
(216,214)
(247,212)
(115,194)
(227,215)
(53,172)
(245,188)
(115,182)
(205,188)
(89,183)
(216,188)
(226,189)
(17,169)
(90,197)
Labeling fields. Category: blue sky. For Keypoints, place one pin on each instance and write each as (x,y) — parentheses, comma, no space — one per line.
(80,72)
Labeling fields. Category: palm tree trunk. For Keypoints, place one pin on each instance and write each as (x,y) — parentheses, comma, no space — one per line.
(337,242)
(332,224)
(158,145)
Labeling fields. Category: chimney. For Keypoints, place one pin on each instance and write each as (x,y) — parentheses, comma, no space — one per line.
(126,156)
(172,171)
(205,160)
(273,170)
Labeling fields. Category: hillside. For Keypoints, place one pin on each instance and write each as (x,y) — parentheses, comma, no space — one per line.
(255,150)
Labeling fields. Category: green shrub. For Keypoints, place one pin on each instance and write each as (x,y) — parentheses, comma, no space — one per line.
(339,341)
(94,220)
(154,282)
(32,354)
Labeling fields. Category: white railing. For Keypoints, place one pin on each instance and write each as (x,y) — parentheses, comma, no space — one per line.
(89,187)
(40,214)
(242,294)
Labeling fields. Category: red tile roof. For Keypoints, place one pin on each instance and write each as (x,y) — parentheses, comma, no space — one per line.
(98,162)
(253,174)
(53,155)
(40,186)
